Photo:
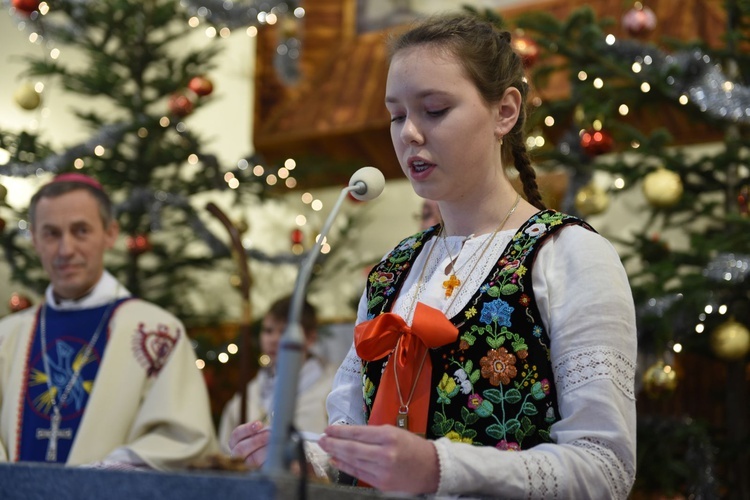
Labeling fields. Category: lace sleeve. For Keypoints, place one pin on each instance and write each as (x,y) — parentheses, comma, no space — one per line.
(345,404)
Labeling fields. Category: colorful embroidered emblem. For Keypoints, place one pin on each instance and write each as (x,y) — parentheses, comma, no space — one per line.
(152,348)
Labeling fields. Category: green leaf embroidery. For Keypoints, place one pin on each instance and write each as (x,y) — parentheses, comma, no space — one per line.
(513,396)
(496,431)
(493,395)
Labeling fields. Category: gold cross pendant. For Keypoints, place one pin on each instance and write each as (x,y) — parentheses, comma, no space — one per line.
(451,284)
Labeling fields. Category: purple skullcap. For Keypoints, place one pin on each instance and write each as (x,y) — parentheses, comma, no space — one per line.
(76,177)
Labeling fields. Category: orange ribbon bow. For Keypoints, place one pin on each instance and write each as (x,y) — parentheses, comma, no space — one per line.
(376,338)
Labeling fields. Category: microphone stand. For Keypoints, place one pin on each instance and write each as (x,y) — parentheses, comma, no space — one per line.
(291,347)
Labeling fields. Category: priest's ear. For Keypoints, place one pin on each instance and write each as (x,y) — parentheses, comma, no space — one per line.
(111,232)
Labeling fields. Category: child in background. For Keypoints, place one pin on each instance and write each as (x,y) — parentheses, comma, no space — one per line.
(316,377)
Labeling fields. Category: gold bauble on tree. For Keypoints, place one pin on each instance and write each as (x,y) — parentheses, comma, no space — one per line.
(591,200)
(660,379)
(27,97)
(662,188)
(731,340)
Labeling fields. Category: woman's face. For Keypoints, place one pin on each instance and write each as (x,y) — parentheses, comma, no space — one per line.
(443,132)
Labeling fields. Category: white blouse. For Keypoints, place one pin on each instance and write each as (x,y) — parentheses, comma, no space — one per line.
(586,305)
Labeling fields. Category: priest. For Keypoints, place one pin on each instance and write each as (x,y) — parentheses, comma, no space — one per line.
(95,376)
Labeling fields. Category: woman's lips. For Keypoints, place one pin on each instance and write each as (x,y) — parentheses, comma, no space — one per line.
(420,168)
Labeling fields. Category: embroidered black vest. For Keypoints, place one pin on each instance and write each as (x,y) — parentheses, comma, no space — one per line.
(494,386)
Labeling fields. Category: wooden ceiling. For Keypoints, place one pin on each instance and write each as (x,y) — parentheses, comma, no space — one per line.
(335,115)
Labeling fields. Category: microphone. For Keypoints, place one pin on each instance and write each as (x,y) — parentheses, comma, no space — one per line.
(365,184)
(369,183)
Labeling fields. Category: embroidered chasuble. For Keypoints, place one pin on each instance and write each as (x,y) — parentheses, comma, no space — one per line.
(67,335)
(493,385)
(139,400)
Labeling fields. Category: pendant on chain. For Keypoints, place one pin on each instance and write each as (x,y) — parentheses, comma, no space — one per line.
(402,419)
(451,284)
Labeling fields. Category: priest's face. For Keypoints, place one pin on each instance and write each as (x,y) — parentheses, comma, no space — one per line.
(70,239)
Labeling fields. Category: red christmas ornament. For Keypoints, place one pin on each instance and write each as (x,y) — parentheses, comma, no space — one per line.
(26,6)
(639,20)
(18,302)
(297,236)
(180,105)
(138,244)
(743,199)
(596,142)
(527,49)
(201,85)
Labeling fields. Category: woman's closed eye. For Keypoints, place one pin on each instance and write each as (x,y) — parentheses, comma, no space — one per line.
(437,113)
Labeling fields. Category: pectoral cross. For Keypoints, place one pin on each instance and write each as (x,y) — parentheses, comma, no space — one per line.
(451,284)
(53,434)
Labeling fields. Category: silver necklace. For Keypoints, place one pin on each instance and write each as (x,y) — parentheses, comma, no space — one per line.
(55,432)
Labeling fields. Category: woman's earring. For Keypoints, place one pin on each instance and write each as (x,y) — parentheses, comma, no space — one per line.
(500,139)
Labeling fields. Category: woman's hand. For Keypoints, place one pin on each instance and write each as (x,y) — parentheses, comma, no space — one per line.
(384,456)
(250,443)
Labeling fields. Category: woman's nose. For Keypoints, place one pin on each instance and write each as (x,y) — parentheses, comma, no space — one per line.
(410,133)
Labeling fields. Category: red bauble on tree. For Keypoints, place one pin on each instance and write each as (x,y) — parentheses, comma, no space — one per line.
(527,49)
(596,142)
(743,200)
(639,21)
(180,105)
(201,85)
(297,236)
(26,6)
(138,244)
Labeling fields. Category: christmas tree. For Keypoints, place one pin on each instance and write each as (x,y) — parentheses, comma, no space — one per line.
(615,105)
(141,80)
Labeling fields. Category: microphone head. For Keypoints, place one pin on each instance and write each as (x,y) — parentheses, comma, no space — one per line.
(369,183)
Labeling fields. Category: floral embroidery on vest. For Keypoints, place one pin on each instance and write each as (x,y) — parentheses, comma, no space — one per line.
(494,386)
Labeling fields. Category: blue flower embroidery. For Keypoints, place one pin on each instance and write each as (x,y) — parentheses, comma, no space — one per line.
(496,311)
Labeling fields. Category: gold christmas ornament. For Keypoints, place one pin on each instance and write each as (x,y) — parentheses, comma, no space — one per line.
(591,200)
(235,280)
(662,188)
(659,379)
(731,340)
(242,225)
(27,97)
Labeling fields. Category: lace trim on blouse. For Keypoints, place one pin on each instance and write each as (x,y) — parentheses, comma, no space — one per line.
(619,475)
(434,273)
(352,364)
(577,368)
(541,476)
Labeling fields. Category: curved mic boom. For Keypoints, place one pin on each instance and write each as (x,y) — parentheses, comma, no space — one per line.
(366,184)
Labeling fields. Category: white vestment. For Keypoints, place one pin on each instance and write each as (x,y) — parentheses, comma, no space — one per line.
(149,404)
